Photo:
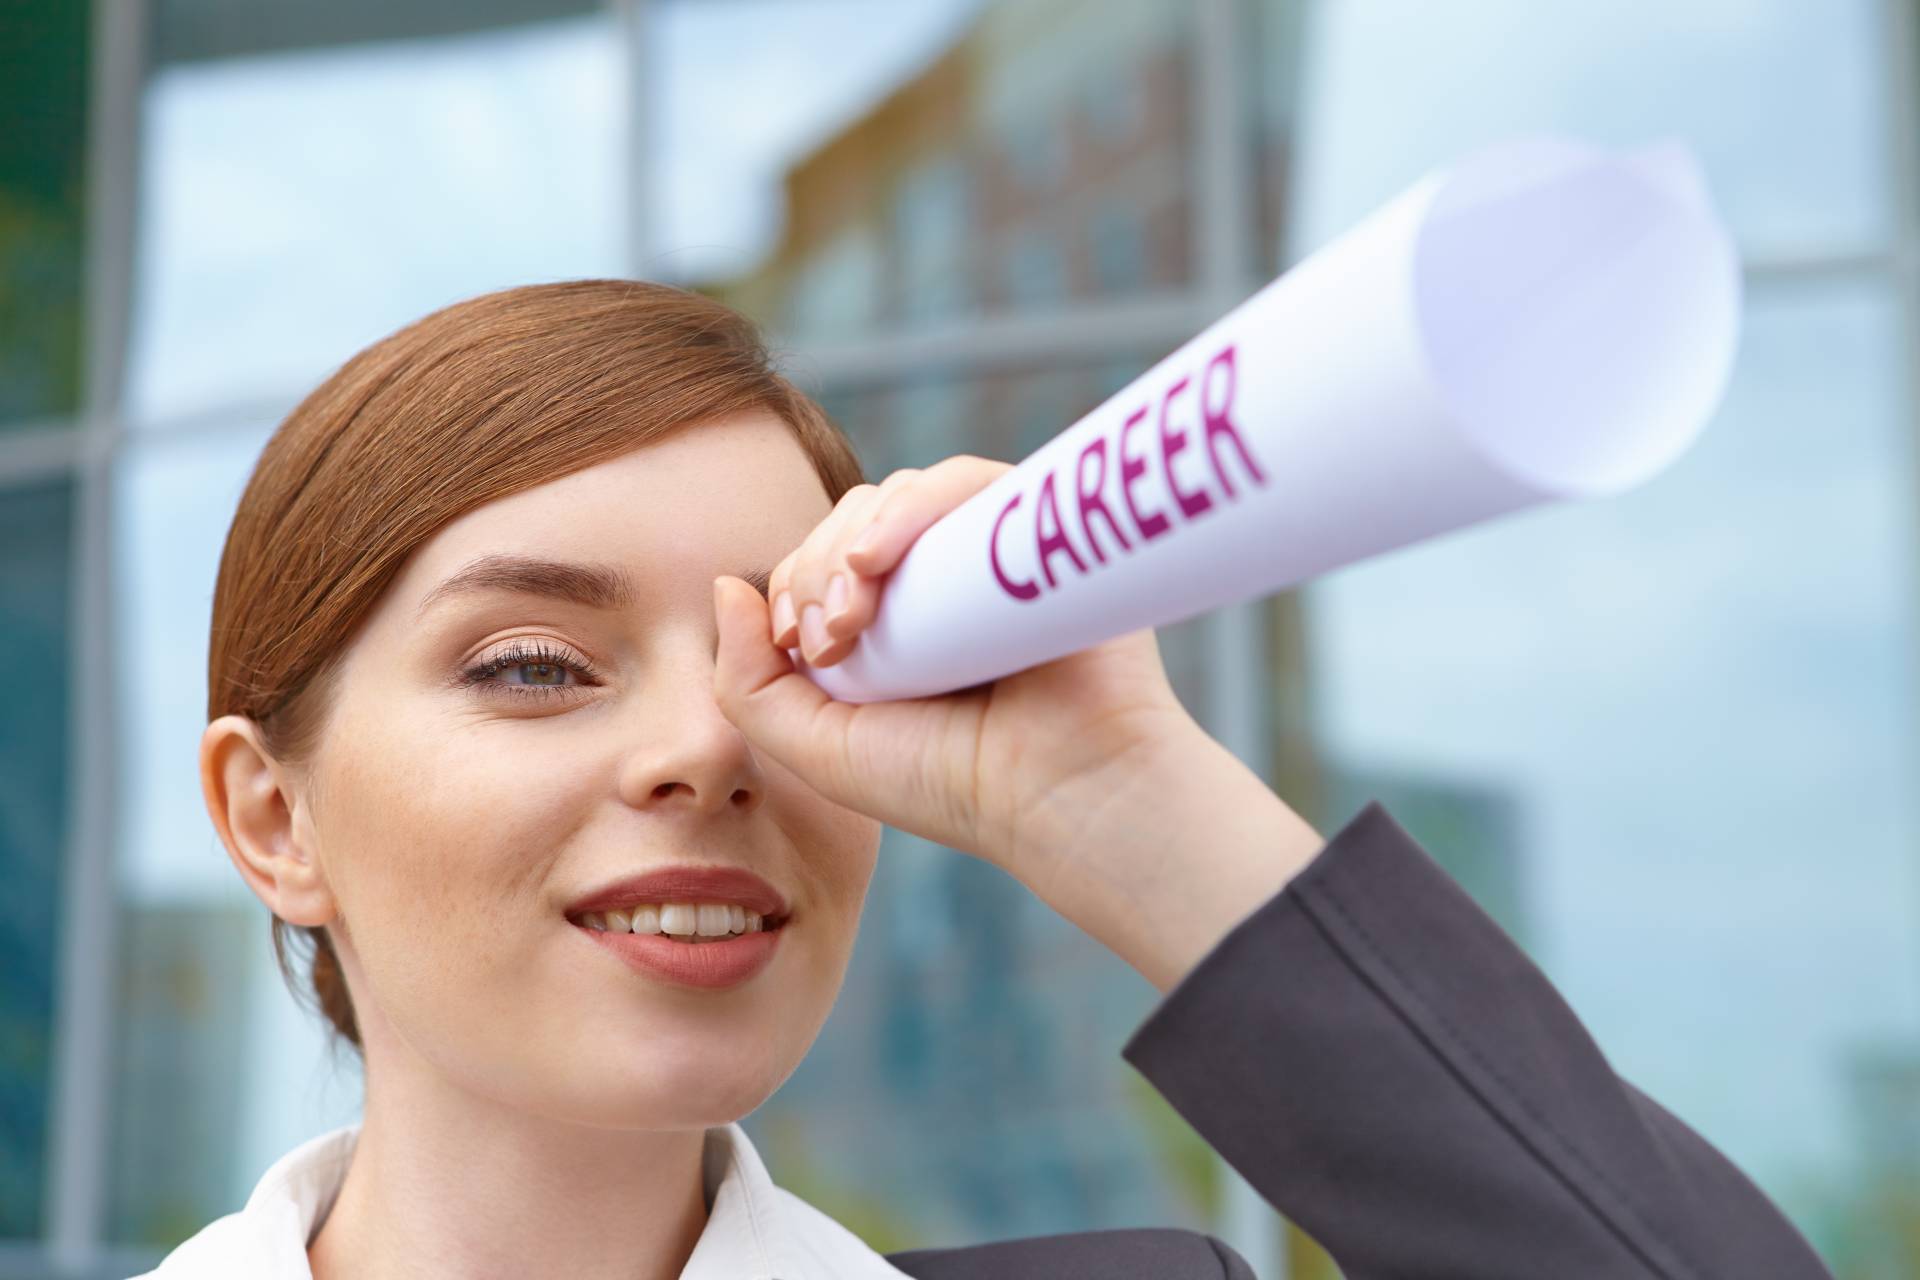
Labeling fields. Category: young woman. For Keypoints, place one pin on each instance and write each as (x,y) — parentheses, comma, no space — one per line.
(498,728)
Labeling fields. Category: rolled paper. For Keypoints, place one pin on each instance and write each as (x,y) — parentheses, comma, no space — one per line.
(1544,320)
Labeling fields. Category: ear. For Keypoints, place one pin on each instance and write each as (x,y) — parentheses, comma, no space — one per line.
(262,818)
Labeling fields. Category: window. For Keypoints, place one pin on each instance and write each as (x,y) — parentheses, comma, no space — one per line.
(1667,740)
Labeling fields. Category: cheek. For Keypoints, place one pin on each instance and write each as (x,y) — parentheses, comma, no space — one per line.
(839,860)
(437,848)
(837,847)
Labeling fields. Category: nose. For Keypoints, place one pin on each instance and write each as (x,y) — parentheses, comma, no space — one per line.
(684,753)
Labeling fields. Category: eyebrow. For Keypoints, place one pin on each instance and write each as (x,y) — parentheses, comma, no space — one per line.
(597,586)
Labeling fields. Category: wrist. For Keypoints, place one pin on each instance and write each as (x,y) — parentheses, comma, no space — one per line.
(1160,858)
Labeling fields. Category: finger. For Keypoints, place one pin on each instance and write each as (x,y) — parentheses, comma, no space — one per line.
(820,579)
(908,512)
(816,560)
(784,619)
(862,599)
(784,599)
(759,690)
(839,632)
(796,581)
(859,596)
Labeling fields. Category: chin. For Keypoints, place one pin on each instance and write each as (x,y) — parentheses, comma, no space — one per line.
(661,1085)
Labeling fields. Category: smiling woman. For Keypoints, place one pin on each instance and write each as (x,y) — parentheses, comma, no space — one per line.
(496,729)
(472,403)
(459,684)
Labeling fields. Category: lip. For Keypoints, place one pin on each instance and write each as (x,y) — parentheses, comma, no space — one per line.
(693,964)
(687,882)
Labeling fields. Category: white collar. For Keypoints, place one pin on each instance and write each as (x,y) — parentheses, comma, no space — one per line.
(755,1230)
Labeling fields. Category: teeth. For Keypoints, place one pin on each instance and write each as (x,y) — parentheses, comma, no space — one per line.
(690,921)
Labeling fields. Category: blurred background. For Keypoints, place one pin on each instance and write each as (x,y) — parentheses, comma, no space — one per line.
(1670,741)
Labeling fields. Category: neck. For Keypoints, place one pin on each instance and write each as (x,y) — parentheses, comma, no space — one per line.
(447,1183)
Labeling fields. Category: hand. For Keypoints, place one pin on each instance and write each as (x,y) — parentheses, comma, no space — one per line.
(997,770)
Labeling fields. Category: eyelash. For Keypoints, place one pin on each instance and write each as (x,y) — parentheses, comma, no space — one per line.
(481,676)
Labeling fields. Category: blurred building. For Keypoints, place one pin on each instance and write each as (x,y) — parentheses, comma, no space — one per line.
(1038,160)
(1886,1099)
(1044,161)
(181,1050)
(1883,1235)
(35,586)
(1667,740)
(1474,831)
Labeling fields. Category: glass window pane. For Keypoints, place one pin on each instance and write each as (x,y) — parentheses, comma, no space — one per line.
(35,597)
(300,205)
(215,1058)
(1787,103)
(1670,739)
(964,159)
(43,202)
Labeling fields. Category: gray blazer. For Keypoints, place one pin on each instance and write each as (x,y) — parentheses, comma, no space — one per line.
(1389,1070)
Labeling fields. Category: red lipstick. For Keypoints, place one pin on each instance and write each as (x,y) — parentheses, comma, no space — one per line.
(709,964)
(693,964)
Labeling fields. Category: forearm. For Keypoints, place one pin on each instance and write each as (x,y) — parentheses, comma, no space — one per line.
(1162,855)
(1390,1071)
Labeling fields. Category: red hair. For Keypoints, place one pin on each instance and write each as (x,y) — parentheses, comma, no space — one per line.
(481,399)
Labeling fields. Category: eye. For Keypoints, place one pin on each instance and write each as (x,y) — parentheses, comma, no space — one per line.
(546,669)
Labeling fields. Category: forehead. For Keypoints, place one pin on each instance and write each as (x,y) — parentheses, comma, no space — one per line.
(727,496)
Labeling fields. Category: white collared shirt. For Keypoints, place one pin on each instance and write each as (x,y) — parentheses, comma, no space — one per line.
(755,1230)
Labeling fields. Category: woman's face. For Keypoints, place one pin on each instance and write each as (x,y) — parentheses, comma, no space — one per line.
(455,822)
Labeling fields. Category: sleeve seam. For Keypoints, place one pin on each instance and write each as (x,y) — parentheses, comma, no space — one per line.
(1442,1028)
(1226,1266)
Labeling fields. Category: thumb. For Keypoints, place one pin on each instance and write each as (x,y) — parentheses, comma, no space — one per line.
(759,690)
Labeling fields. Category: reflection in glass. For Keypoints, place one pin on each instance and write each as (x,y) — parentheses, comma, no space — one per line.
(214,1057)
(1675,728)
(1399,89)
(35,577)
(43,203)
(933,211)
(299,205)
(1037,156)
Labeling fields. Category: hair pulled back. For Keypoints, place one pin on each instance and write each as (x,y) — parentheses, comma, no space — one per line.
(478,400)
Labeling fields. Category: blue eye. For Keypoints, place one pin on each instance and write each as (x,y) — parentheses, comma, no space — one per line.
(550,665)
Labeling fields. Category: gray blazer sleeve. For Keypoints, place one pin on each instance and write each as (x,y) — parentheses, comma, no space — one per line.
(1389,1070)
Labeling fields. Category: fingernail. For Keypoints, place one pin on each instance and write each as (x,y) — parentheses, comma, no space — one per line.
(813,632)
(865,542)
(782,614)
(836,595)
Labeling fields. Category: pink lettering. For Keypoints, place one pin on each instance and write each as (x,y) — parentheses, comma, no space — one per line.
(1050,544)
(1214,388)
(1131,469)
(1172,441)
(1091,500)
(1018,590)
(1214,415)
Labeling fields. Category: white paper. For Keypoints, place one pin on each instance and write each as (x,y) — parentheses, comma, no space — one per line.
(1545,320)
